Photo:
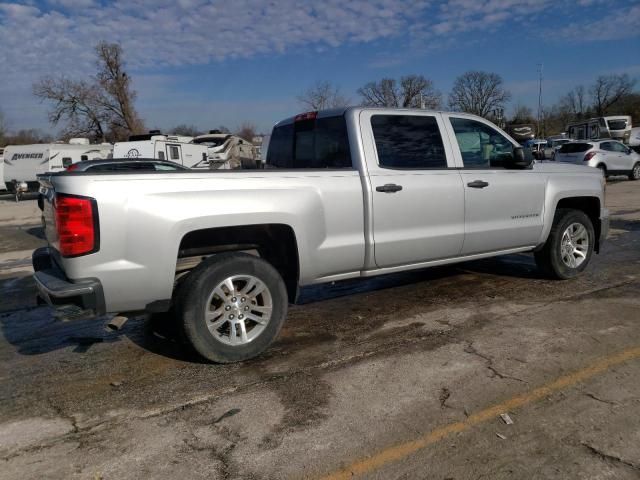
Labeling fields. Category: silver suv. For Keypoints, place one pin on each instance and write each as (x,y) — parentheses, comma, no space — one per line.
(611,156)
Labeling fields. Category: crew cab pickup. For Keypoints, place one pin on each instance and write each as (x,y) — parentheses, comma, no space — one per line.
(346,193)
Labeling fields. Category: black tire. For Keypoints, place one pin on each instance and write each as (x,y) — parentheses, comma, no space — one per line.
(194,293)
(635,172)
(549,258)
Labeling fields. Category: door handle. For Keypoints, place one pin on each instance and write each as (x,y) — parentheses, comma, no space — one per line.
(478,184)
(389,188)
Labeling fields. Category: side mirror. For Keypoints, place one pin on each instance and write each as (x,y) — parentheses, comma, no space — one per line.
(520,158)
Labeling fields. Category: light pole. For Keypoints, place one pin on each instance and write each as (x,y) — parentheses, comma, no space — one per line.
(540,68)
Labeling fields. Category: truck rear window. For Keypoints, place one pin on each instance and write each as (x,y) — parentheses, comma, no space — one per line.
(310,143)
(575,147)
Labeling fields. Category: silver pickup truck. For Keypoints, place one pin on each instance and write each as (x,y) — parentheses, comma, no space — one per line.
(345,193)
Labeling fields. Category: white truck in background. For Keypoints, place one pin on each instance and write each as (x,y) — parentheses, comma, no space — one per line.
(22,163)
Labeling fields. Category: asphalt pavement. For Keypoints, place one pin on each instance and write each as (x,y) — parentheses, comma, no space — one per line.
(484,370)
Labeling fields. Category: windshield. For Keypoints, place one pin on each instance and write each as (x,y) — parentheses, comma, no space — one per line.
(617,124)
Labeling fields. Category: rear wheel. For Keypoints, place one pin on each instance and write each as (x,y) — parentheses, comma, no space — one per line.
(569,247)
(232,307)
(635,172)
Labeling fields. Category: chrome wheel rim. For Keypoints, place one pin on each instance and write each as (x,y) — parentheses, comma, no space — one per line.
(636,171)
(238,310)
(574,245)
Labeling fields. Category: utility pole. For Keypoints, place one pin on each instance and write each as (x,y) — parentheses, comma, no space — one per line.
(540,68)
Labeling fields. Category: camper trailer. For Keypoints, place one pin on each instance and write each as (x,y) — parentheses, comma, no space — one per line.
(214,150)
(175,148)
(228,151)
(23,162)
(614,126)
(522,132)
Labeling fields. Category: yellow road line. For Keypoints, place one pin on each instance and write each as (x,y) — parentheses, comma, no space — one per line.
(403,450)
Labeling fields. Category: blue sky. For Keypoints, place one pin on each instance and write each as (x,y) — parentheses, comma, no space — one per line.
(212,63)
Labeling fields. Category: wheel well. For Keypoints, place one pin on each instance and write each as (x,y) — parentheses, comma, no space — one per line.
(276,243)
(591,207)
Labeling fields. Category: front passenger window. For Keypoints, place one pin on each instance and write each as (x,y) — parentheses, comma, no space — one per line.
(480,145)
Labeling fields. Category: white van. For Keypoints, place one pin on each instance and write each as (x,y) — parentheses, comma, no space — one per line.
(23,162)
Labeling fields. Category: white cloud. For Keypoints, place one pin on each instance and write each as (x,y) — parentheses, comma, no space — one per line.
(57,37)
(619,24)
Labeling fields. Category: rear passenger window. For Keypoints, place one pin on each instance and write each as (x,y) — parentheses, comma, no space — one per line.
(310,143)
(480,145)
(408,141)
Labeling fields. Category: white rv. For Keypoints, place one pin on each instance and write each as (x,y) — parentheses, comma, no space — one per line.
(175,148)
(613,126)
(214,150)
(228,151)
(23,162)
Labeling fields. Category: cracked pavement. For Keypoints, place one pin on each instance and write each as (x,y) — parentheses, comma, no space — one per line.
(359,368)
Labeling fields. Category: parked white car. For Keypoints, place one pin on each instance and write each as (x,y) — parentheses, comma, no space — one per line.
(611,156)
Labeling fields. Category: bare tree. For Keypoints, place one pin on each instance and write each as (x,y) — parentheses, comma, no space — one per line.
(118,95)
(609,89)
(75,102)
(186,130)
(323,95)
(3,131)
(100,109)
(247,131)
(576,102)
(26,137)
(412,91)
(522,114)
(479,93)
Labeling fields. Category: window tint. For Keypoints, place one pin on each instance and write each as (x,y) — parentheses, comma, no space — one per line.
(408,141)
(575,147)
(607,146)
(310,143)
(121,167)
(480,145)
(66,161)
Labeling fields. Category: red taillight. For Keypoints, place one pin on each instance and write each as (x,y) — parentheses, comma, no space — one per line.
(76,223)
(71,167)
(305,116)
(589,156)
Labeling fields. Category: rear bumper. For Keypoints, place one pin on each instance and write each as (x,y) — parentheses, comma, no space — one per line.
(56,289)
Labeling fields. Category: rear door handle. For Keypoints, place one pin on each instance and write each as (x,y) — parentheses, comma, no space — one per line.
(389,188)
(478,184)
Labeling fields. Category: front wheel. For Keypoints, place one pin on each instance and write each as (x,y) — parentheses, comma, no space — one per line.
(635,172)
(232,307)
(569,247)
